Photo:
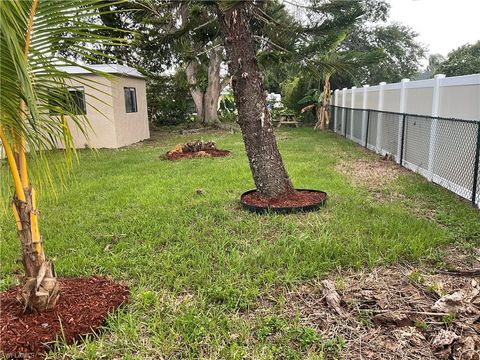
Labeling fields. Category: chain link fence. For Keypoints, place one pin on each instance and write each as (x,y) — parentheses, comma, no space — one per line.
(445,151)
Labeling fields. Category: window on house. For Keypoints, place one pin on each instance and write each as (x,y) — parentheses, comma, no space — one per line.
(130,99)
(76,97)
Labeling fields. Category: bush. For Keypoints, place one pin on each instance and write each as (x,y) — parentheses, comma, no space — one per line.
(169,100)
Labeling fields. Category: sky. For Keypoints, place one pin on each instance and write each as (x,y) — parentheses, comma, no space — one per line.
(442,25)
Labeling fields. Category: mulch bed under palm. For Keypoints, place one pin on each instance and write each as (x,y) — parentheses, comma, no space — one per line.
(82,308)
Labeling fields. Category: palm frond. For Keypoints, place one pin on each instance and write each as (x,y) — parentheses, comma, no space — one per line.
(37,79)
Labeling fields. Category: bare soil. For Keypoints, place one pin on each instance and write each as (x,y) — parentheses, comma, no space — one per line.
(297,198)
(82,308)
(370,173)
(396,312)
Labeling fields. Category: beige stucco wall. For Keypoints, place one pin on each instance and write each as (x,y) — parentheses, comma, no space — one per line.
(99,106)
(130,127)
(461,102)
(111,125)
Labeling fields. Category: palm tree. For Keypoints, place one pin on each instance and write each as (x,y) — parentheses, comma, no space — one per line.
(36,112)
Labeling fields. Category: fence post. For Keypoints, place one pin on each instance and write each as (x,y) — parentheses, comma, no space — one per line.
(402,138)
(335,121)
(352,112)
(403,106)
(364,113)
(380,117)
(344,112)
(366,130)
(433,127)
(475,168)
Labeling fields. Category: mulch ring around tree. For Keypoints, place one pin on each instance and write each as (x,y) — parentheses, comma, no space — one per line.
(295,199)
(82,308)
(196,149)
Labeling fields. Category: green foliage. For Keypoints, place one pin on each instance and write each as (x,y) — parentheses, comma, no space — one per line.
(416,277)
(39,80)
(403,54)
(168,99)
(463,61)
(421,325)
(448,319)
(293,93)
(228,111)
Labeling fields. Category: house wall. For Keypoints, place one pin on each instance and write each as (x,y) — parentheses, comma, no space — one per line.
(130,127)
(100,113)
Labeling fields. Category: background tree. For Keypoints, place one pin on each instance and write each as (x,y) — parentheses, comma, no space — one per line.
(403,54)
(434,61)
(462,61)
(183,35)
(33,91)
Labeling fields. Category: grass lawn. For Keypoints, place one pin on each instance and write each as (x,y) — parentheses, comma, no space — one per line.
(197,264)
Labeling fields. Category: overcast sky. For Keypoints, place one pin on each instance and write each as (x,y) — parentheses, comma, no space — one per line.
(443,25)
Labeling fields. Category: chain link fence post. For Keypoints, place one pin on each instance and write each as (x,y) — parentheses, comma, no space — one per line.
(366,130)
(475,168)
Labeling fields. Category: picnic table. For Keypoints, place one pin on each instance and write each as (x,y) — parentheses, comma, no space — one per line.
(287,119)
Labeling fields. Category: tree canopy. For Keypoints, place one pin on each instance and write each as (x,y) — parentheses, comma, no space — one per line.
(462,61)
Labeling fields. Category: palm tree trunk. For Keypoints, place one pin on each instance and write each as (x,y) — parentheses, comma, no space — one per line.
(40,288)
(266,163)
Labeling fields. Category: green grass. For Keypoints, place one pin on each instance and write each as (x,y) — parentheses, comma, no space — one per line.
(196,263)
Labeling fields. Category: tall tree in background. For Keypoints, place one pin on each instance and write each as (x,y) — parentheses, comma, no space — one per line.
(33,90)
(184,35)
(403,54)
(462,61)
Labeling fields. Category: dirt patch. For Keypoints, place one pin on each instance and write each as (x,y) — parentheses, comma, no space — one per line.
(297,198)
(389,312)
(83,306)
(372,174)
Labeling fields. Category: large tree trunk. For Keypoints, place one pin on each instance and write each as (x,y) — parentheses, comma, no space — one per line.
(197,94)
(266,163)
(40,287)
(212,94)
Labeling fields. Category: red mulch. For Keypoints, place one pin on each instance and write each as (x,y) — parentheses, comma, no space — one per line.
(173,155)
(297,198)
(83,306)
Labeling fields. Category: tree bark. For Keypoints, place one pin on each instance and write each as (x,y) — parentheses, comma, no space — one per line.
(266,163)
(40,288)
(197,94)
(212,94)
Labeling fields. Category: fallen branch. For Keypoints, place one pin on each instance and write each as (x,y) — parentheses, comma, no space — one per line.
(467,273)
(332,298)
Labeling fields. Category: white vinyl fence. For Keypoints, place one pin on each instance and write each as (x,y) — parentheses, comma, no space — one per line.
(429,126)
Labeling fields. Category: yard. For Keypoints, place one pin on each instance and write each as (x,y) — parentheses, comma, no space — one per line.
(209,280)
